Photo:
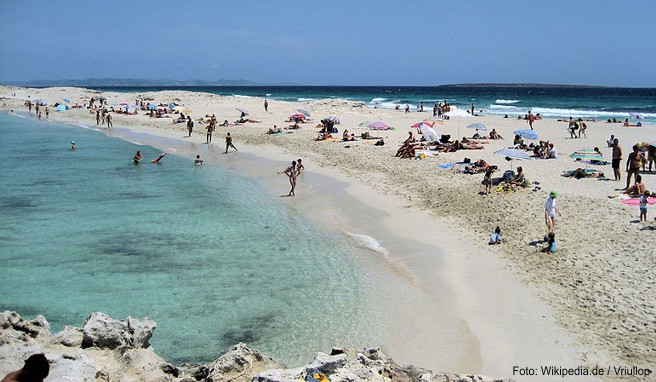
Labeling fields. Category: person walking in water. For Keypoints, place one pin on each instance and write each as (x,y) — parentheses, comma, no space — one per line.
(292,173)
(229,143)
(109,121)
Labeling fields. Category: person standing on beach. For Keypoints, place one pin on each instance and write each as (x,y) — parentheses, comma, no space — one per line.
(190,125)
(299,165)
(634,163)
(229,144)
(617,159)
(550,211)
(531,118)
(97,117)
(292,173)
(210,129)
(266,106)
(109,121)
(472,110)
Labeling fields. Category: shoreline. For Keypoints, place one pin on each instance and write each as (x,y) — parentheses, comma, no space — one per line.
(475,261)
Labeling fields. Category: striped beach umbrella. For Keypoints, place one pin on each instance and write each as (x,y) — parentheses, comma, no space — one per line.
(528,134)
(513,154)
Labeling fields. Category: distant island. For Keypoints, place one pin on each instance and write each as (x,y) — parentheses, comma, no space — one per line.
(518,85)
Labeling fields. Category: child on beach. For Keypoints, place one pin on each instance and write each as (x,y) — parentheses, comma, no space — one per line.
(551,244)
(487,179)
(495,238)
(644,206)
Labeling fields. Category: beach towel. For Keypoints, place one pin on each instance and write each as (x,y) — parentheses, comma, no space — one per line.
(636,201)
(446,165)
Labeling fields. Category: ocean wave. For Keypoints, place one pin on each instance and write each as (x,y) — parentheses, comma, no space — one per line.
(306,99)
(86,126)
(268,94)
(241,96)
(504,107)
(506,101)
(368,242)
(377,100)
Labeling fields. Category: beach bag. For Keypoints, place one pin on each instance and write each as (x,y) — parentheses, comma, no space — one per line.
(508,175)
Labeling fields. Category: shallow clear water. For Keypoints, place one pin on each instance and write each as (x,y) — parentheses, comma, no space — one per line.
(205,252)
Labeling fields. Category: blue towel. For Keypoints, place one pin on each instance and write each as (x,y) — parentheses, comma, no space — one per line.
(445,165)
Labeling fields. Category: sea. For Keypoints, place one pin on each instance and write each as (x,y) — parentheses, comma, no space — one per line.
(600,103)
(213,256)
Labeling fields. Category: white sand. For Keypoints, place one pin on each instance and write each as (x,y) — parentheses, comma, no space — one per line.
(592,302)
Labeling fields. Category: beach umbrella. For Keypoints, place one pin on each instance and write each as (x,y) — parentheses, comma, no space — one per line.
(527,133)
(242,111)
(333,119)
(418,125)
(512,154)
(477,126)
(304,112)
(458,113)
(428,133)
(61,108)
(378,125)
(151,106)
(134,107)
(297,117)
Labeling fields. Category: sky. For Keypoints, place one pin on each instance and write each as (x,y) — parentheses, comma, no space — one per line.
(336,42)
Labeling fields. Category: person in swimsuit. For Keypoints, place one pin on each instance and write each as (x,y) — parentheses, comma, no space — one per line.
(137,157)
(229,144)
(292,173)
(634,163)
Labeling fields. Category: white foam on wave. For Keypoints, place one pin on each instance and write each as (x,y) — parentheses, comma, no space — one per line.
(241,96)
(368,242)
(377,100)
(506,101)
(503,107)
(306,99)
(86,126)
(268,94)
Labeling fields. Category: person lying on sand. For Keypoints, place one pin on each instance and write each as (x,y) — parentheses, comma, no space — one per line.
(581,173)
(478,166)
(274,130)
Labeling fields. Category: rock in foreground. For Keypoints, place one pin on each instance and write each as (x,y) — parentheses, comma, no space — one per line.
(118,350)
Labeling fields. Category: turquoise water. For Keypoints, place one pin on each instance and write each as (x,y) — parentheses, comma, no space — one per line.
(205,252)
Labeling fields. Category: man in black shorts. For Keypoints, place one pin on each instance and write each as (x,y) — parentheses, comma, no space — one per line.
(617,159)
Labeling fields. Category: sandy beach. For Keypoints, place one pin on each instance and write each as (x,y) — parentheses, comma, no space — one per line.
(591,303)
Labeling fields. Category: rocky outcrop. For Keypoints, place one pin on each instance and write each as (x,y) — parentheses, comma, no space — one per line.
(106,349)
